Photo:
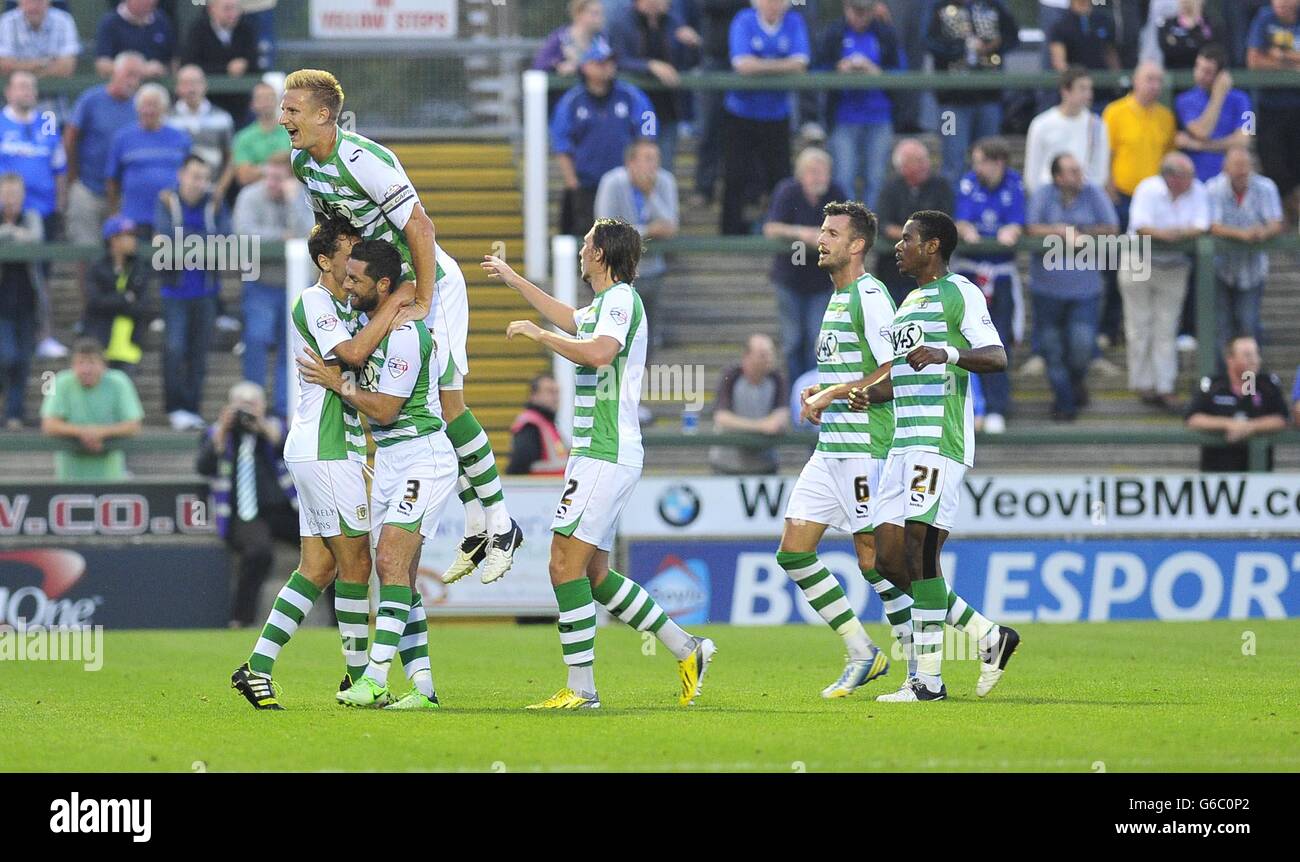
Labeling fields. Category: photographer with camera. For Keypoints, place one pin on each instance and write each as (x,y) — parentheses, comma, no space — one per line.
(253,496)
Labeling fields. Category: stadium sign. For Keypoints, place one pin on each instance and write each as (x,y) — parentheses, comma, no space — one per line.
(1009,581)
(998,505)
(187,586)
(383,19)
(137,509)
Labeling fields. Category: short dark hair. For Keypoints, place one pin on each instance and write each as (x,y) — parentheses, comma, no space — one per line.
(861,219)
(191,159)
(324,237)
(1070,76)
(1056,162)
(381,258)
(933,224)
(537,381)
(620,247)
(1214,52)
(994,147)
(87,346)
(1230,346)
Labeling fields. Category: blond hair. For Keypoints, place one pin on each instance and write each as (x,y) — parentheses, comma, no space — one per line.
(324,88)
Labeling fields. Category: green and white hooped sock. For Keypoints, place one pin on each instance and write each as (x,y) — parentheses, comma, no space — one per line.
(474,452)
(352,609)
(475,517)
(291,605)
(629,601)
(963,617)
(413,648)
(827,597)
(930,606)
(898,610)
(390,621)
(577,628)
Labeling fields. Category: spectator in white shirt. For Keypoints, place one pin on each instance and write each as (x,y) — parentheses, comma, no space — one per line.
(211,129)
(1169,207)
(1070,127)
(35,38)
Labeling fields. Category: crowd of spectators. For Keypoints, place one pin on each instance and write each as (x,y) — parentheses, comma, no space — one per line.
(127,159)
(767,151)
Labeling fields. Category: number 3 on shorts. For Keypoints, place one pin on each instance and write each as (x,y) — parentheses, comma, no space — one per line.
(412,494)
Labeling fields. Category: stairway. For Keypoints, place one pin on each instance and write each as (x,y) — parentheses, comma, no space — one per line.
(471,191)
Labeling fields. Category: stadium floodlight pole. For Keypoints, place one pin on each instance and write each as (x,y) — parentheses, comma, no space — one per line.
(297,272)
(536,146)
(564,287)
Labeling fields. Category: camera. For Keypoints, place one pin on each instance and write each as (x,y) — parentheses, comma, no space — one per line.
(245,421)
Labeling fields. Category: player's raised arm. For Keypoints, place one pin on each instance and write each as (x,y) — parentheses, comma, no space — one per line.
(379,406)
(594,352)
(557,312)
(419,235)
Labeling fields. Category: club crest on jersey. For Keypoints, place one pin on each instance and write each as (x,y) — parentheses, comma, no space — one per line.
(327,322)
(828,346)
(906,337)
(397,366)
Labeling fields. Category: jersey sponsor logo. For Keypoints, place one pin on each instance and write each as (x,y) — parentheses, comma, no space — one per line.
(906,337)
(618,315)
(828,347)
(327,322)
(397,366)
(366,377)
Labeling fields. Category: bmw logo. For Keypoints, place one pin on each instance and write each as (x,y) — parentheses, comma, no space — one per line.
(679,506)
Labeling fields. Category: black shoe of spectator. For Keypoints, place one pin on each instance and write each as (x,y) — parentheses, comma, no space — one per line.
(1064,415)
(1081,397)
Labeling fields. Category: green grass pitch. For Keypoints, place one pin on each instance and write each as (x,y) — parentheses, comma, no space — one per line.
(1132,696)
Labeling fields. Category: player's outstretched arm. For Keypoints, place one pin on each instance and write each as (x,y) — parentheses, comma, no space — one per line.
(357,349)
(378,406)
(593,352)
(557,312)
(821,399)
(419,235)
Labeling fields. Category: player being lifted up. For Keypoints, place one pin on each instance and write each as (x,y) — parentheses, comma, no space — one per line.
(607,341)
(836,485)
(325,452)
(415,473)
(941,334)
(350,175)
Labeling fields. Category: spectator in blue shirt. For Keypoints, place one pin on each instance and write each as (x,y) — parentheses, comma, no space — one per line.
(189,295)
(769,39)
(990,205)
(1274,45)
(590,130)
(1212,114)
(646,41)
(97,115)
(968,37)
(861,121)
(136,25)
(30,145)
(144,157)
(1069,214)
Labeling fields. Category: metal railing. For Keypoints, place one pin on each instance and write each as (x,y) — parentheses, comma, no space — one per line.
(172,443)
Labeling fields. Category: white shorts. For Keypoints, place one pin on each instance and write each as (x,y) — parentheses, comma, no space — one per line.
(595,493)
(448,323)
(413,481)
(836,492)
(331,498)
(916,485)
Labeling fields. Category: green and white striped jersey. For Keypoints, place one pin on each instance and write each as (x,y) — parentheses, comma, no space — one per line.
(363,182)
(854,342)
(405,364)
(607,400)
(324,426)
(933,409)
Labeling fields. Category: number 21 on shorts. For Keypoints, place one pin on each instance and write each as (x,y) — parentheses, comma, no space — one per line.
(925,481)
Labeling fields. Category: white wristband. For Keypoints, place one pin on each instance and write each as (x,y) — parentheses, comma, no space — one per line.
(953,356)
